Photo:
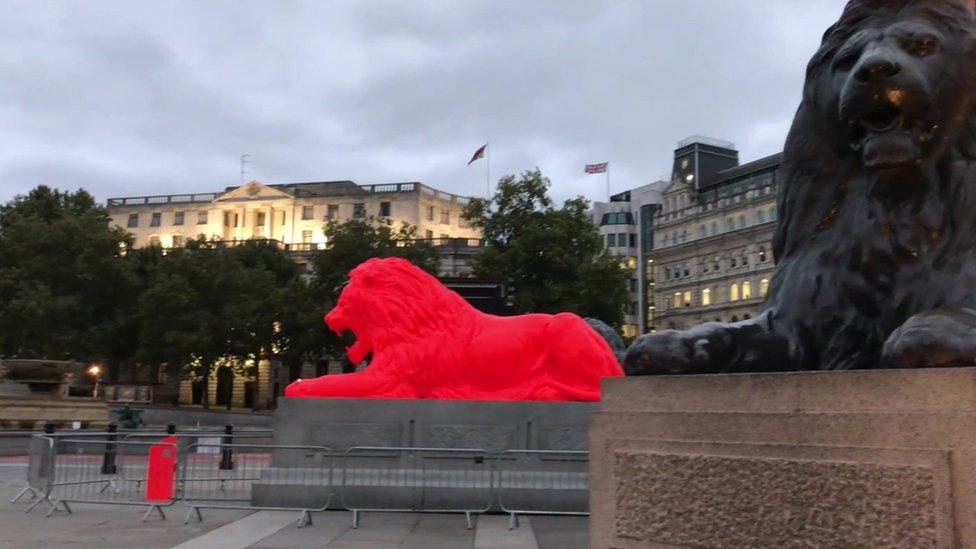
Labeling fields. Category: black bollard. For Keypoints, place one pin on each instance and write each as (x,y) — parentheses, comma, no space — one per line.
(49,428)
(108,458)
(171,429)
(227,453)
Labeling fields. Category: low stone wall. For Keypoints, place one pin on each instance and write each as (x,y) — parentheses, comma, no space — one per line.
(33,412)
(815,459)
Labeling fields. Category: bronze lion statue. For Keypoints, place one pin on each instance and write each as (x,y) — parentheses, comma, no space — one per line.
(876,266)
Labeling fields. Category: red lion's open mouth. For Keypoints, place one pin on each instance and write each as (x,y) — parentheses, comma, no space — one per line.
(358,351)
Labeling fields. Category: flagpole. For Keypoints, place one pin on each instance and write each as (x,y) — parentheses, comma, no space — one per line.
(608,182)
(488,170)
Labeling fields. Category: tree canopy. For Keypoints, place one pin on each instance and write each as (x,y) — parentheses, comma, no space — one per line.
(554,256)
(63,289)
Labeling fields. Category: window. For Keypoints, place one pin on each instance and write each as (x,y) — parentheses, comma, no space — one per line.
(730,224)
(308,212)
(177,240)
(385,209)
(178,218)
(133,220)
(261,219)
(714,227)
(746,290)
(665,240)
(760,216)
(745,259)
(429,234)
(686,271)
(706,297)
(633,284)
(667,273)
(611,240)
(359,210)
(684,235)
(430,213)
(306,237)
(633,241)
(772,213)
(621,239)
(763,287)
(687,299)
(677,299)
(742,222)
(702,232)
(667,303)
(732,262)
(734,292)
(445,217)
(157,218)
(762,253)
(332,212)
(201,218)
(154,241)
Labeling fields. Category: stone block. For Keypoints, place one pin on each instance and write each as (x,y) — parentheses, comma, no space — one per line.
(786,460)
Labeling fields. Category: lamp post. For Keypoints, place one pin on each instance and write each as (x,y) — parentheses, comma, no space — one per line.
(96,372)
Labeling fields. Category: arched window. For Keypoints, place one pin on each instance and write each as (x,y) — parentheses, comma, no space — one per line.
(762,253)
(772,213)
(730,224)
(746,290)
(684,235)
(746,316)
(763,287)
(706,297)
(734,292)
(742,222)
(702,232)
(714,227)
(687,299)
(760,216)
(735,318)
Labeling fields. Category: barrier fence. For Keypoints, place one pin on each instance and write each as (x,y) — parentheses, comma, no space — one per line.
(435,480)
(541,482)
(241,476)
(207,470)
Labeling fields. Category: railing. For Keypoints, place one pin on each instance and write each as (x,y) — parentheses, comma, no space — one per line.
(237,476)
(162,199)
(156,470)
(434,480)
(527,480)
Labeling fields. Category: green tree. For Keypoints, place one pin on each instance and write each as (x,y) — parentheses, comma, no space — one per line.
(63,289)
(555,256)
(207,305)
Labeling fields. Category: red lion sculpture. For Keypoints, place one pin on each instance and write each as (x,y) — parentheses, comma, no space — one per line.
(427,342)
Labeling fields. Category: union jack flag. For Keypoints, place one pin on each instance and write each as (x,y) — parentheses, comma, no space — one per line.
(596,168)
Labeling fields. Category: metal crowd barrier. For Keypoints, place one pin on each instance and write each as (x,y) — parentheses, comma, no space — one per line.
(403,479)
(242,476)
(39,467)
(94,471)
(542,482)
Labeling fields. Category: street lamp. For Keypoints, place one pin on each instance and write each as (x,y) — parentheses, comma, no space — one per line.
(96,372)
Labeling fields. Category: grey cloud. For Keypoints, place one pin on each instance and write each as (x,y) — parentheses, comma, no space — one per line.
(144,98)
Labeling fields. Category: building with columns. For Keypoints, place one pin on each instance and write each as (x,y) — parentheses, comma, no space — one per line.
(292,213)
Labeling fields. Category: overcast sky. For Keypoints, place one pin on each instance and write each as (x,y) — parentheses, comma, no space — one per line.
(131,98)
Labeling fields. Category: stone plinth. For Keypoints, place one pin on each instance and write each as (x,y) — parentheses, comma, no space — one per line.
(339,423)
(883,458)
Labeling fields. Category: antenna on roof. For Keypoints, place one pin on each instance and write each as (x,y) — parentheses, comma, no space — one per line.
(244,160)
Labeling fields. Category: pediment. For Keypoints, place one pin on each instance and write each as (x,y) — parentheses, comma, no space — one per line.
(255,190)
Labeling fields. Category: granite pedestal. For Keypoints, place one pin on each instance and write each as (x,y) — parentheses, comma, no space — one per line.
(883,458)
